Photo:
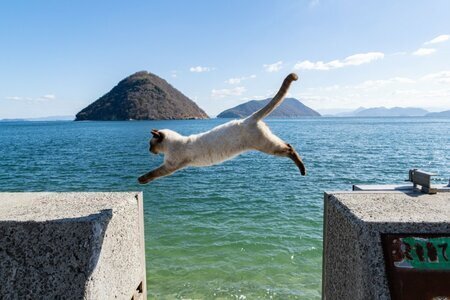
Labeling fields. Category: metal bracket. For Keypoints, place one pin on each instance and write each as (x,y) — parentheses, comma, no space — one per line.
(422,178)
(416,177)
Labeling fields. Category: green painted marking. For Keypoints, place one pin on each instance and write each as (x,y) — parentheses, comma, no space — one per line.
(440,244)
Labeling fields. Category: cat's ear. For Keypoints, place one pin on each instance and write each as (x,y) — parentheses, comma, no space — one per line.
(158,134)
(155,132)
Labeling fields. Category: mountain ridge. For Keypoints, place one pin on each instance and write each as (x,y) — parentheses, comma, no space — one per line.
(142,96)
(445,113)
(289,108)
(382,111)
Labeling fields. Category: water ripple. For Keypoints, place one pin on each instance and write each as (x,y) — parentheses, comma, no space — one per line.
(249,228)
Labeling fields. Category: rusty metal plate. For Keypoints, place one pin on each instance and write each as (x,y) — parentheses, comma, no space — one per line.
(417,265)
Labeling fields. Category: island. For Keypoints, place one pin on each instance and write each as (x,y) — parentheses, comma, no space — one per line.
(445,113)
(289,108)
(142,96)
(384,112)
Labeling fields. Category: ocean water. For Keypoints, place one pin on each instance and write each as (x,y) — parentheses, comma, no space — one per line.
(250,228)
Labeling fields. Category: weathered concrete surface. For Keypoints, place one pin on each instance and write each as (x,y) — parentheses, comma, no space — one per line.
(71,245)
(353,265)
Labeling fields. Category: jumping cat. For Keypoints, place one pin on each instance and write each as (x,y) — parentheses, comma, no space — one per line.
(222,142)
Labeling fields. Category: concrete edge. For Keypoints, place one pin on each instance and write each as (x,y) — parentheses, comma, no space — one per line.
(368,192)
(324,224)
(143,285)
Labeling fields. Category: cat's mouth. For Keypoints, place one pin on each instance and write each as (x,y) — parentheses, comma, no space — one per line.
(152,150)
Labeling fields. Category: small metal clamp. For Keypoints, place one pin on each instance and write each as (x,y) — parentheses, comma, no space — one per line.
(422,178)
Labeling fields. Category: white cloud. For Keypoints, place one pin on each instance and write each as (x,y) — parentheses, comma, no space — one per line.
(332,87)
(275,67)
(200,69)
(16,98)
(430,91)
(233,80)
(439,77)
(440,93)
(362,58)
(439,39)
(382,82)
(424,51)
(352,60)
(254,97)
(174,74)
(238,80)
(237,91)
(47,97)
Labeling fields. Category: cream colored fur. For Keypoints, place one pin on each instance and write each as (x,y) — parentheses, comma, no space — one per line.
(222,142)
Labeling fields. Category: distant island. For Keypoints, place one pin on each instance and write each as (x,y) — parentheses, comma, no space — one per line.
(142,96)
(40,119)
(385,112)
(289,108)
(445,113)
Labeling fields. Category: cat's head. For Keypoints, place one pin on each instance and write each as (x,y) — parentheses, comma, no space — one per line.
(157,141)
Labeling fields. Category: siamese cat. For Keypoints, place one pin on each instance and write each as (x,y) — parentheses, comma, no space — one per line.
(222,142)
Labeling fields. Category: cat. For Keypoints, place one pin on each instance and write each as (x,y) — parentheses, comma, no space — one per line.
(222,142)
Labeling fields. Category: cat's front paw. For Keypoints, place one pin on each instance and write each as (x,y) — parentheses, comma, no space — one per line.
(143,180)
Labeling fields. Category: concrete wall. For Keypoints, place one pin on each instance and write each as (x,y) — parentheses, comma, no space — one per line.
(72,246)
(354,223)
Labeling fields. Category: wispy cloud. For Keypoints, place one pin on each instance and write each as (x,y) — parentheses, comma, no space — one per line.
(47,97)
(352,60)
(424,51)
(237,91)
(237,80)
(373,84)
(254,97)
(16,98)
(200,69)
(439,77)
(439,39)
(275,67)
(440,93)
(428,91)
(174,74)
(442,77)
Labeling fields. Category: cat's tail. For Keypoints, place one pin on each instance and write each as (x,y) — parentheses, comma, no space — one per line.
(276,101)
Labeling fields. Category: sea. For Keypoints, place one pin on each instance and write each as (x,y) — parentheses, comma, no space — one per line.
(249,228)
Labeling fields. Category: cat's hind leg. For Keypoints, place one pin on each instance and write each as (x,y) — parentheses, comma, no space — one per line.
(292,154)
(279,148)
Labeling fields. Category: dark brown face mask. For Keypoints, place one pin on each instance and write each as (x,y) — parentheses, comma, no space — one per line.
(158,135)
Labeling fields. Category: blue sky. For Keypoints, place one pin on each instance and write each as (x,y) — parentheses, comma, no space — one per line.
(56,57)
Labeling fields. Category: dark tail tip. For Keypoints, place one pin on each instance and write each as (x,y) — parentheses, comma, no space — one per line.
(292,77)
(302,168)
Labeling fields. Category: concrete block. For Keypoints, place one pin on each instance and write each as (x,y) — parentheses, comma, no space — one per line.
(354,222)
(72,246)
